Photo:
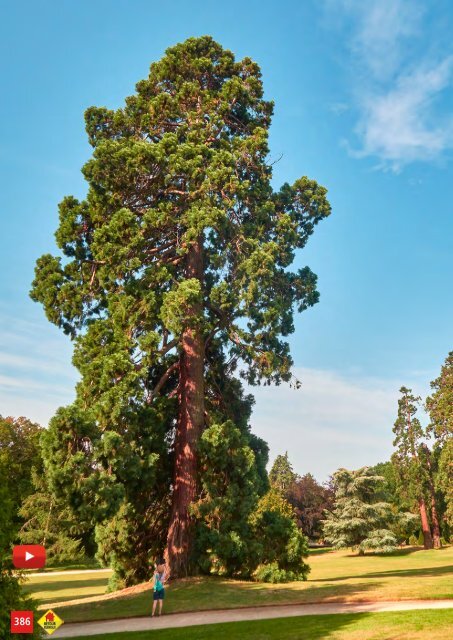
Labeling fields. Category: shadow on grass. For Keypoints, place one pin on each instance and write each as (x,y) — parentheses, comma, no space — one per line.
(422,572)
(213,594)
(66,585)
(298,628)
(320,551)
(406,551)
(84,565)
(301,628)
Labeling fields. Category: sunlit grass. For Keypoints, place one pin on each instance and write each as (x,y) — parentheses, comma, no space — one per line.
(335,577)
(406,625)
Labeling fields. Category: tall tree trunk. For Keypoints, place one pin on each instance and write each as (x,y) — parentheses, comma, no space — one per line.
(188,429)
(435,522)
(432,493)
(427,539)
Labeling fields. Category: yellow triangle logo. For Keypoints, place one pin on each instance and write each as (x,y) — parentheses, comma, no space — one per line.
(50,622)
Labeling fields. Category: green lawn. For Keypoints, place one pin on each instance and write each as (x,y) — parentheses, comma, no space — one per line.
(335,577)
(50,588)
(85,563)
(405,625)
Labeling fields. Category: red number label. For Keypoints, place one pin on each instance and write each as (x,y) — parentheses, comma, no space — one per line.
(21,621)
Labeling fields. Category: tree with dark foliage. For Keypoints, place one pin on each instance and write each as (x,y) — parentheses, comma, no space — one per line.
(181,251)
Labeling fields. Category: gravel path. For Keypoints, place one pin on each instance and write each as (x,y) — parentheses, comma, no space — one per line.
(86,629)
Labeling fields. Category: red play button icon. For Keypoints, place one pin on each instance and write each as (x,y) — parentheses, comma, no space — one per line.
(29,556)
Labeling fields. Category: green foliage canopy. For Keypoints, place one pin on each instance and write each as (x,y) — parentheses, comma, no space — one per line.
(181,169)
(19,454)
(281,475)
(358,520)
(440,408)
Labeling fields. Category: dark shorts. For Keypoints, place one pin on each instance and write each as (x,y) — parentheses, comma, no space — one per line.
(159,595)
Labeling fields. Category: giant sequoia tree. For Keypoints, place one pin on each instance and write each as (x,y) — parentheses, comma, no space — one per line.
(412,461)
(440,407)
(175,274)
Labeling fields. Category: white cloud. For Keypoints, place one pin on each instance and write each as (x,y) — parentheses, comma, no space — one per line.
(396,83)
(35,362)
(398,126)
(36,376)
(383,27)
(338,108)
(332,421)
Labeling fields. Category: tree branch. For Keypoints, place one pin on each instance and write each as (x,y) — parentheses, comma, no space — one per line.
(167,346)
(162,381)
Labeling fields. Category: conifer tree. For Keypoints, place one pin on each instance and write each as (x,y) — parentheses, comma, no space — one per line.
(358,519)
(280,545)
(19,454)
(12,597)
(181,249)
(281,476)
(440,408)
(52,524)
(412,463)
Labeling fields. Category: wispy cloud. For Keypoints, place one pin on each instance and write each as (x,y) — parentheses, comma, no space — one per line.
(338,108)
(398,85)
(381,32)
(397,126)
(36,376)
(332,421)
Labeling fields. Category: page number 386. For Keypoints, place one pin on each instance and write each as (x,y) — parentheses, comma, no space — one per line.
(21,621)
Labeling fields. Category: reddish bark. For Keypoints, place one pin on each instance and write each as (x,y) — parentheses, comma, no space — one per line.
(435,523)
(188,429)
(427,538)
(434,519)
(426,529)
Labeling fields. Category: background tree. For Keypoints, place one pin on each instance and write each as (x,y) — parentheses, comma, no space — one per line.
(12,597)
(440,408)
(310,501)
(358,520)
(181,245)
(406,524)
(281,475)
(229,495)
(412,463)
(389,487)
(52,523)
(19,453)
(280,544)
(117,480)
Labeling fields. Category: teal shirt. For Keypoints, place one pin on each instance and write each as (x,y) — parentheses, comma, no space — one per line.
(158,581)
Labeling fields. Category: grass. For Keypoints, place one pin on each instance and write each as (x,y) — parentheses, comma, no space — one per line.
(83,564)
(335,577)
(50,588)
(405,625)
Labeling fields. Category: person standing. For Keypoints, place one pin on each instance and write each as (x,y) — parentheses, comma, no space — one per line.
(159,579)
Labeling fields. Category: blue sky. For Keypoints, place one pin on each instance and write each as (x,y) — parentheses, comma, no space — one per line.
(363,104)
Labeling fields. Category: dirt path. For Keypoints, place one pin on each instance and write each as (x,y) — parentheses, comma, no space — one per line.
(86,629)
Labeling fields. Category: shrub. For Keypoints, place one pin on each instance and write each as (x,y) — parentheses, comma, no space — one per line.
(237,531)
(230,488)
(272,573)
(282,544)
